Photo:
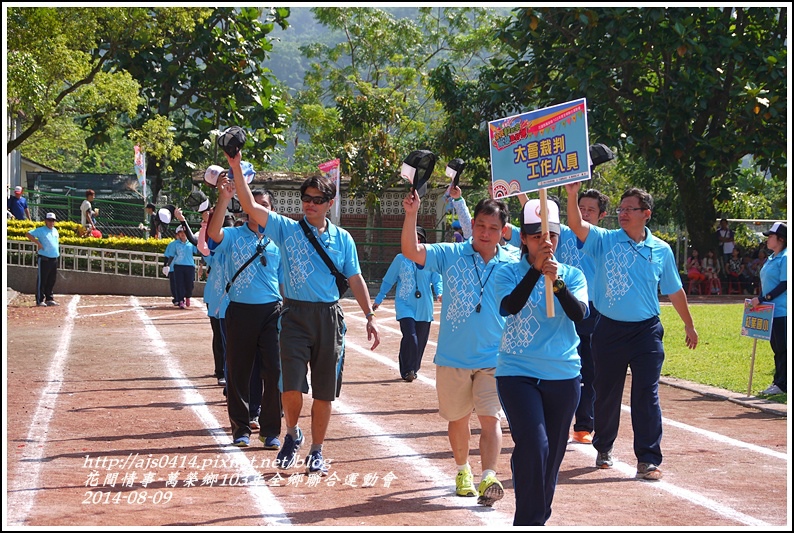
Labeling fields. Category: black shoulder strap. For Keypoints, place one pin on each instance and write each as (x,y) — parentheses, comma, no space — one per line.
(259,250)
(312,239)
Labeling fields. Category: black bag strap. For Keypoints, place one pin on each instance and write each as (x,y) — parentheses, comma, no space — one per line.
(317,246)
(259,250)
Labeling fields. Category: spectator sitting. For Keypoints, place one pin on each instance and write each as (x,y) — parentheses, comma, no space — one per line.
(694,268)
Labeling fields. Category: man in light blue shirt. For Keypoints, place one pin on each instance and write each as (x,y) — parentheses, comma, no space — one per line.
(312,322)
(46,238)
(633,266)
(253,369)
(468,340)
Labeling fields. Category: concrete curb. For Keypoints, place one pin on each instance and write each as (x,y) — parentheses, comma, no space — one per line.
(753,402)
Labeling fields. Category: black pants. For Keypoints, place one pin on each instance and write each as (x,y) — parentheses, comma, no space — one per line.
(45,278)
(218,346)
(778,343)
(252,332)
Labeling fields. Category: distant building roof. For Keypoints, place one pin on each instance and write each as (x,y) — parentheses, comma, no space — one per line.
(38,166)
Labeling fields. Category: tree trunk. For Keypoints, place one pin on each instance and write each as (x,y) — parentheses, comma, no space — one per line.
(700,216)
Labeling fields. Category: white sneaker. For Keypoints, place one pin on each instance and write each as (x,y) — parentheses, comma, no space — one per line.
(772,389)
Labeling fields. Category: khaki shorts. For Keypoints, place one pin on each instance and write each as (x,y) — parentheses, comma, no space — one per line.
(461,390)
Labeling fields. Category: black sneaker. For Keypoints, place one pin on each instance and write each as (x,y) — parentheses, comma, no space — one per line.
(50,303)
(604,459)
(288,455)
(315,464)
(648,471)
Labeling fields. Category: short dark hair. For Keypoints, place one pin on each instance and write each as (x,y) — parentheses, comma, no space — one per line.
(90,192)
(263,192)
(322,184)
(489,206)
(601,198)
(645,198)
(150,206)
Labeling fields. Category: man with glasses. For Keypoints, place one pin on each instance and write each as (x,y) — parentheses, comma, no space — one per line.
(632,267)
(253,369)
(312,322)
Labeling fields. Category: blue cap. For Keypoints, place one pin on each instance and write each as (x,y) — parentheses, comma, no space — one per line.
(248,171)
(456,224)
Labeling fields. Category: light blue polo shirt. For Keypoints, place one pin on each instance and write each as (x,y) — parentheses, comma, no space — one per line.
(308,277)
(215,295)
(630,275)
(404,273)
(774,271)
(49,241)
(466,338)
(569,251)
(533,344)
(182,252)
(256,283)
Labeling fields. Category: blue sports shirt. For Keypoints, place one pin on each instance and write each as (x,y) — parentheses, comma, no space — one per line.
(630,275)
(774,271)
(49,241)
(409,278)
(467,338)
(533,344)
(257,283)
(308,279)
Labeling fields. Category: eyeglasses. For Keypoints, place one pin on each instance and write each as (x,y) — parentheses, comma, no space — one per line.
(628,210)
(316,200)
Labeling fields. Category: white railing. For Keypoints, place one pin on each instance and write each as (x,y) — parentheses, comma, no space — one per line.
(97,260)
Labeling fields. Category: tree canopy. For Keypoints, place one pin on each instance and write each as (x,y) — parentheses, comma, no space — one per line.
(690,90)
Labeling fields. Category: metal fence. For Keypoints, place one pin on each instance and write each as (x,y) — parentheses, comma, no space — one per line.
(96,260)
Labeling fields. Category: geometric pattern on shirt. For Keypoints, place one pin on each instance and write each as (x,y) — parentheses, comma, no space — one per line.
(521,328)
(299,251)
(243,247)
(464,289)
(406,277)
(570,254)
(618,262)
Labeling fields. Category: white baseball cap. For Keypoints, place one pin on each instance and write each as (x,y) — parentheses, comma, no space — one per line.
(531,222)
(17,189)
(211,175)
(50,216)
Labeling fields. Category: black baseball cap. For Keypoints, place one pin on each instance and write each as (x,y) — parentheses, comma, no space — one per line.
(779,229)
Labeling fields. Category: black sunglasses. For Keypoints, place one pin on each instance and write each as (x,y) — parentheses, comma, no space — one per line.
(260,249)
(317,200)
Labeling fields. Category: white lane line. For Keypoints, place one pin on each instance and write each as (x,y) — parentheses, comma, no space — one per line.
(719,438)
(416,463)
(627,470)
(268,506)
(25,485)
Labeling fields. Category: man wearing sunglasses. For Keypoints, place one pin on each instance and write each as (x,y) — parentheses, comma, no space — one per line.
(254,274)
(632,268)
(312,323)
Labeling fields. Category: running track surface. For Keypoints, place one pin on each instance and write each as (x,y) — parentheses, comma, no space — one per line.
(113,418)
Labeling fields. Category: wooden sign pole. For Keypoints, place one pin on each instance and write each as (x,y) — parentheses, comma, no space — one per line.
(544,228)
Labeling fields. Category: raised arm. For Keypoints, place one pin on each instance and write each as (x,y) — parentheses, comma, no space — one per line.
(256,212)
(580,227)
(188,232)
(411,247)
(462,210)
(225,193)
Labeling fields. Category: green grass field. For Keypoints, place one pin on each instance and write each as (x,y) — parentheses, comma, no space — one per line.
(722,357)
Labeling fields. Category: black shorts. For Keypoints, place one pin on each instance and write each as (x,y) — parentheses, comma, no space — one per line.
(312,337)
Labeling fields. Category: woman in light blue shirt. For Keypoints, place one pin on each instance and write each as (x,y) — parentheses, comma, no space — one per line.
(413,305)
(538,366)
(774,289)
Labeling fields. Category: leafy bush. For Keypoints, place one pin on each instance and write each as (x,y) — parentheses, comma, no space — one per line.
(71,234)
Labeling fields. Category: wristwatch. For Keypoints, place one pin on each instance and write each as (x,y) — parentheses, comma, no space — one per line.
(559,284)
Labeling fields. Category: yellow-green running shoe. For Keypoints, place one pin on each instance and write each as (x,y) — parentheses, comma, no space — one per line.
(490,490)
(464,484)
